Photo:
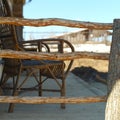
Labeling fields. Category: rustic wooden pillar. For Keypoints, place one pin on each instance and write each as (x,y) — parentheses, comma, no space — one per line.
(18,8)
(113,101)
(18,12)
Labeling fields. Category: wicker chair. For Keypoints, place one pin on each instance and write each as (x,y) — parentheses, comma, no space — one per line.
(13,68)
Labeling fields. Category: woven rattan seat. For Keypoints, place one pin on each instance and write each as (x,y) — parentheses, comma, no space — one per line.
(14,68)
(54,66)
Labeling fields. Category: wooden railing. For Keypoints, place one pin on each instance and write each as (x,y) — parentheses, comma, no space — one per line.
(65,56)
(55,21)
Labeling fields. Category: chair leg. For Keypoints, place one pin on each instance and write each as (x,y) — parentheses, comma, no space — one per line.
(1,78)
(15,93)
(4,79)
(1,91)
(63,93)
(40,83)
(11,105)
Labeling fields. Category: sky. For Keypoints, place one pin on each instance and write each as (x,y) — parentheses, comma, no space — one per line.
(103,11)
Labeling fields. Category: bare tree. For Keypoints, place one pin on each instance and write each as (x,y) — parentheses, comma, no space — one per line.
(113,101)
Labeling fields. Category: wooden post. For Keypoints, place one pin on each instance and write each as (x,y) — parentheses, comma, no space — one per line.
(18,12)
(113,101)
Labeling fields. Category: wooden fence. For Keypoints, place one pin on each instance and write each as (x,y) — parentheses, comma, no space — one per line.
(52,56)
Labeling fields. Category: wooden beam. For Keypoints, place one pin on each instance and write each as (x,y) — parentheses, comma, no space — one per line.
(52,56)
(55,21)
(43,100)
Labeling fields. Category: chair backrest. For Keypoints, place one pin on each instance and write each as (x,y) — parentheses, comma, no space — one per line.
(8,35)
(8,39)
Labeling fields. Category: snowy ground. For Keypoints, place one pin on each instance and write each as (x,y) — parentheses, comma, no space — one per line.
(102,48)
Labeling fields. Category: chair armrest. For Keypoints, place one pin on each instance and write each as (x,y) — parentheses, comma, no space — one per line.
(34,45)
(62,46)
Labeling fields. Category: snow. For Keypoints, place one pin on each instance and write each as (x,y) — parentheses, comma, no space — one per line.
(100,48)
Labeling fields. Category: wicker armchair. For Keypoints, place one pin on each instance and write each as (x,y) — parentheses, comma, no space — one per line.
(13,68)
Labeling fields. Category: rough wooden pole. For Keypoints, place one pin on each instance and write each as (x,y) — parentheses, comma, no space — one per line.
(52,56)
(42,100)
(18,12)
(113,101)
(55,21)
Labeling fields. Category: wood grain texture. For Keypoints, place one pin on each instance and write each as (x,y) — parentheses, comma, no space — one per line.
(55,21)
(41,100)
(52,56)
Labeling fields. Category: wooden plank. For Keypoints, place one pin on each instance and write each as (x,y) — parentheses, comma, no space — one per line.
(55,21)
(44,100)
(52,56)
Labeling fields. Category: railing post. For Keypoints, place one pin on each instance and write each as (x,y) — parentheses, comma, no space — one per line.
(113,102)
